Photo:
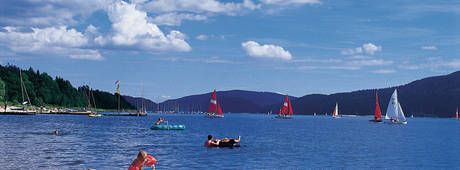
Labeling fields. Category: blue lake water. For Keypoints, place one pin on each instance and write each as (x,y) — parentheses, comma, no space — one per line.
(26,142)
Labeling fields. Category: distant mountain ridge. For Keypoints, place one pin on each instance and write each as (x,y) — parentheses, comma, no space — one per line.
(433,96)
(234,101)
(436,96)
(150,106)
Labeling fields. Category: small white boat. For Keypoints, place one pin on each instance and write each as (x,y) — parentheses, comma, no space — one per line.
(395,114)
(335,114)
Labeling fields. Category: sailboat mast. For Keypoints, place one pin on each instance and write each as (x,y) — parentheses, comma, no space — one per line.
(94,101)
(22,87)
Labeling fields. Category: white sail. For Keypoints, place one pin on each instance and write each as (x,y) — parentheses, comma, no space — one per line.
(336,110)
(392,109)
(401,113)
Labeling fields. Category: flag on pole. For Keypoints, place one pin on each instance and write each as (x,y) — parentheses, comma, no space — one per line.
(117,83)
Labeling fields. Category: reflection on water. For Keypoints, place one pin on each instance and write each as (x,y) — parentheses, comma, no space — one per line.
(28,142)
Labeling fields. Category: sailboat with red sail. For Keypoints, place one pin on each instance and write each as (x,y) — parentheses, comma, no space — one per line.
(286,110)
(214,110)
(377,113)
(456,114)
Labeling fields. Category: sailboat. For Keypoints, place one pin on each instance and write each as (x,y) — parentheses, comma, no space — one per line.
(214,108)
(395,113)
(286,110)
(93,114)
(335,114)
(143,110)
(23,110)
(377,113)
(456,114)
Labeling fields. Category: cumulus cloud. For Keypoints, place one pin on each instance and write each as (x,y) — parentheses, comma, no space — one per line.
(52,40)
(429,47)
(132,29)
(368,48)
(254,49)
(290,2)
(175,19)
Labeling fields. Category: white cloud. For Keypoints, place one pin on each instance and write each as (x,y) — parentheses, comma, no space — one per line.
(328,68)
(58,41)
(429,48)
(48,13)
(131,29)
(289,2)
(175,19)
(384,71)
(368,48)
(254,49)
(198,6)
(371,62)
(202,37)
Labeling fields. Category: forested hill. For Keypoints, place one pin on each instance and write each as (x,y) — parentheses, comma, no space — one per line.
(44,90)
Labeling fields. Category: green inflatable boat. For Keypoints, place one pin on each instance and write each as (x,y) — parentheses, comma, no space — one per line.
(168,127)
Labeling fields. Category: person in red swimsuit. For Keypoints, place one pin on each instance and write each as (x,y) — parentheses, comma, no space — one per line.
(141,160)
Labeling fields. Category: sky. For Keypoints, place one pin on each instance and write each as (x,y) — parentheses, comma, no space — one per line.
(174,48)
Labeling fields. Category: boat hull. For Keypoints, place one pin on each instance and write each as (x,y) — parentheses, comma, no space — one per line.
(283,117)
(18,113)
(95,115)
(168,127)
(400,123)
(214,116)
(375,120)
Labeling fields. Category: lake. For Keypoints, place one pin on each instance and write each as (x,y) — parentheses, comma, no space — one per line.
(304,142)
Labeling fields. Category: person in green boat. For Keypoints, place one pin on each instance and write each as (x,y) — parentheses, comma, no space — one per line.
(160,120)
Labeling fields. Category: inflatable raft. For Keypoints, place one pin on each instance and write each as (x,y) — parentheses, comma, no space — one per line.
(229,144)
(168,127)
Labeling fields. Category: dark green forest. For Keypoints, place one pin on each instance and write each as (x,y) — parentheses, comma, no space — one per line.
(43,90)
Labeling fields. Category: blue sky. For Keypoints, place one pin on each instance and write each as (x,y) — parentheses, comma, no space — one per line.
(174,48)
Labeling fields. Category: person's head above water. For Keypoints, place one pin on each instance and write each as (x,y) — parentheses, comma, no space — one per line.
(160,119)
(56,132)
(142,155)
(209,137)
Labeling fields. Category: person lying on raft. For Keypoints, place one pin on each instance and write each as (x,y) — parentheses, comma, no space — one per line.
(223,142)
(160,120)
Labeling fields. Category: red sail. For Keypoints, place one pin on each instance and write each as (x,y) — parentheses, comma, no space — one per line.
(213,103)
(377,113)
(219,110)
(284,109)
(456,114)
(290,108)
